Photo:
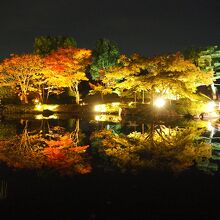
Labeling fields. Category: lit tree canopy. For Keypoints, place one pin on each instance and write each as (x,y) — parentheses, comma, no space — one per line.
(165,75)
(66,68)
(115,75)
(22,72)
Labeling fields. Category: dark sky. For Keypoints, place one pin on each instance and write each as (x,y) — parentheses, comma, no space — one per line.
(148,27)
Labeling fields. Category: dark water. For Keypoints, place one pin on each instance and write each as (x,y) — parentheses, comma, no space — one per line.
(99,167)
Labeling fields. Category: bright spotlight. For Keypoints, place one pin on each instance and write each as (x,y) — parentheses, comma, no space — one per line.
(210,106)
(97,108)
(159,102)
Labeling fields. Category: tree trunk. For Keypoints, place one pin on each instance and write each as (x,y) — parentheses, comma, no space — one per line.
(214,92)
(47,96)
(24,99)
(135,98)
(143,97)
(77,97)
(77,94)
(102,97)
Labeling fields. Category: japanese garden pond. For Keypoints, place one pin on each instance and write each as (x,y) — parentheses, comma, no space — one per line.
(107,167)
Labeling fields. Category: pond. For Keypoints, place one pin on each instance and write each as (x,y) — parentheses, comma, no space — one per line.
(105,167)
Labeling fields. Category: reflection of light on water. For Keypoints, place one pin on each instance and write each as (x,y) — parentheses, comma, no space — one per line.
(98,118)
(112,118)
(114,104)
(3,189)
(40,117)
(109,107)
(41,107)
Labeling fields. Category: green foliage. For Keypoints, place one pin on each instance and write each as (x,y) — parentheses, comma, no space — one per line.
(46,45)
(105,55)
(206,58)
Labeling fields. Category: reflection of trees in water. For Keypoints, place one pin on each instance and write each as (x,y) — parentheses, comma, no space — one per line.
(75,133)
(161,148)
(25,142)
(56,150)
(7,130)
(3,189)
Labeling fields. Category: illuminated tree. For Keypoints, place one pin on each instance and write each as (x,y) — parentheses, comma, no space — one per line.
(105,55)
(169,76)
(22,72)
(45,45)
(66,68)
(115,76)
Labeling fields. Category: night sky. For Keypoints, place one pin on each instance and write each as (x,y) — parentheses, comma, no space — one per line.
(148,27)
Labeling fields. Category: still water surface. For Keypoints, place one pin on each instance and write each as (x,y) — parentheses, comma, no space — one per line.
(154,168)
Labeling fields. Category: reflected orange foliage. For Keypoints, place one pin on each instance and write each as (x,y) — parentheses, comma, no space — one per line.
(53,153)
(56,156)
(65,142)
(79,149)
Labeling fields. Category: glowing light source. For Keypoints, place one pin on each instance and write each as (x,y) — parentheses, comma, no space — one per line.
(211,106)
(41,107)
(36,101)
(159,102)
(40,117)
(112,118)
(100,108)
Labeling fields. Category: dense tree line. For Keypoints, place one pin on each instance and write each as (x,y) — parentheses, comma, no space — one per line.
(57,64)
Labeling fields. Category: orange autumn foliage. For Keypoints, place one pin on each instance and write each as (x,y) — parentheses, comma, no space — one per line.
(60,143)
(53,153)
(66,68)
(79,149)
(64,161)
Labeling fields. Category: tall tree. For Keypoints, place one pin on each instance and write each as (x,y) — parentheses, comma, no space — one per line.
(66,68)
(105,55)
(45,45)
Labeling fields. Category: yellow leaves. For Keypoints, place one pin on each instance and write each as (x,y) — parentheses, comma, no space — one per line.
(23,71)
(100,89)
(173,149)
